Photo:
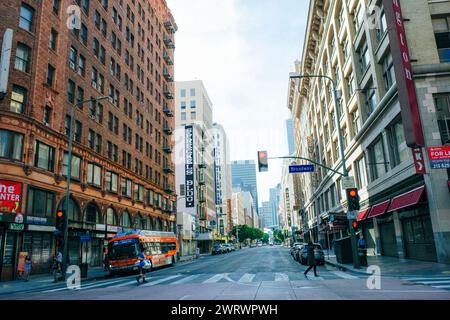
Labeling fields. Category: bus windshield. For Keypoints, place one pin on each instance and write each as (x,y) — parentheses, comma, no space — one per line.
(125,249)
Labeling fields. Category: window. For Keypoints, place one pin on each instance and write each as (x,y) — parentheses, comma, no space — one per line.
(398,147)
(50,75)
(76,165)
(183,116)
(382,26)
(388,71)
(138,192)
(11,145)
(193,115)
(53,39)
(18,99)
(442,103)
(193,104)
(192,92)
(441,26)
(85,6)
(56,4)
(77,133)
(80,96)
(47,115)
(126,187)
(22,57)
(26,17)
(361,173)
(364,57)
(94,174)
(183,104)
(73,58)
(44,156)
(111,180)
(71,91)
(84,34)
(150,197)
(40,203)
(377,159)
(183,93)
(81,65)
(371,99)
(104,27)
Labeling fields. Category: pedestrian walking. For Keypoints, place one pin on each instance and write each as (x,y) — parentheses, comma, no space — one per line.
(142,262)
(361,242)
(56,268)
(311,260)
(105,259)
(27,268)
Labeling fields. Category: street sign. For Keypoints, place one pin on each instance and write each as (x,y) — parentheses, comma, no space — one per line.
(351,215)
(348,182)
(86,237)
(301,168)
(419,161)
(439,157)
(16,226)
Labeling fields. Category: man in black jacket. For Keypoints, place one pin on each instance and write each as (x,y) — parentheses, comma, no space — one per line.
(311,260)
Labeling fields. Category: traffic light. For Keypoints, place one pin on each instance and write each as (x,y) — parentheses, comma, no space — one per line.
(263,165)
(60,220)
(355,225)
(353,199)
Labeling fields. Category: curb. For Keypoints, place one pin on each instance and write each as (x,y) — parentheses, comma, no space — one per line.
(343,268)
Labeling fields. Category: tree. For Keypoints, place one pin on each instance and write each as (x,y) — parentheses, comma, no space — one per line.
(265,238)
(278,235)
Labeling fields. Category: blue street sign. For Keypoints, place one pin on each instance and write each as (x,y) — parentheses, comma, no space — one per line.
(301,168)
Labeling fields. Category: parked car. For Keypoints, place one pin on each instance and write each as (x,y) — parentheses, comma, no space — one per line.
(293,248)
(218,249)
(318,254)
(296,250)
(228,247)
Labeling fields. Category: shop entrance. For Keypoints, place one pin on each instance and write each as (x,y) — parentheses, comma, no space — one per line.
(418,238)
(388,239)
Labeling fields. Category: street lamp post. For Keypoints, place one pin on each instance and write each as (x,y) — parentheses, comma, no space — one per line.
(69,175)
(295,75)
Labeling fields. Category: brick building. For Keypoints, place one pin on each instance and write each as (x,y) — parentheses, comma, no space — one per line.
(122,168)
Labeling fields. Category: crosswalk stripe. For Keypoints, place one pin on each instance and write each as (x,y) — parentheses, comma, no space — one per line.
(344,275)
(281,277)
(315,278)
(434,282)
(187,279)
(248,277)
(55,290)
(161,280)
(124,284)
(442,287)
(425,278)
(100,284)
(217,278)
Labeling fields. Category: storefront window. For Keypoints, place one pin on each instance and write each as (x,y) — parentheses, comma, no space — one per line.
(74,210)
(40,203)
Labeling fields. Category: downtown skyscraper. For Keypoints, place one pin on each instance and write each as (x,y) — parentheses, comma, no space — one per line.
(243,175)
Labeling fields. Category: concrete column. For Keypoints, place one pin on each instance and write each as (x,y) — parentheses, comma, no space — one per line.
(377,237)
(399,236)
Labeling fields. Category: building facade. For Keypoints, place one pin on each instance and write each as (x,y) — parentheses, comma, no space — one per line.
(194,156)
(274,194)
(243,175)
(290,136)
(389,114)
(265,213)
(52,61)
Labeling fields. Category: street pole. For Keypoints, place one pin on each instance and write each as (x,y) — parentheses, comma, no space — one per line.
(69,176)
(342,152)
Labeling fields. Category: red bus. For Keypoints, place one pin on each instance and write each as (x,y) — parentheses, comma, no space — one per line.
(159,247)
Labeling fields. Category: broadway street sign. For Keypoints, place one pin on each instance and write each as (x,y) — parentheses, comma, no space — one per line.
(301,168)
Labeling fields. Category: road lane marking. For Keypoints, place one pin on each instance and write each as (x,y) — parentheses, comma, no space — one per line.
(187,279)
(434,282)
(248,277)
(55,290)
(124,284)
(161,280)
(442,287)
(316,279)
(281,277)
(218,277)
(344,275)
(425,278)
(100,284)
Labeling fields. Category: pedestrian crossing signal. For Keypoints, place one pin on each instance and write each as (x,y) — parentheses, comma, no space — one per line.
(263,165)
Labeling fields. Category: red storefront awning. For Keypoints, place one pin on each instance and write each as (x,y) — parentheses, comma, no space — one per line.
(407,199)
(378,209)
(362,215)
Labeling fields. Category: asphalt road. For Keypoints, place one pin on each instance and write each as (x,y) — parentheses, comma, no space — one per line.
(262,273)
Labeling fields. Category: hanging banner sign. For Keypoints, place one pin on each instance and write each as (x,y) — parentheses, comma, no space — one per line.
(189,166)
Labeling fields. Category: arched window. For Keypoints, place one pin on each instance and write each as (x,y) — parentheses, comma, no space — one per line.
(111,218)
(126,220)
(138,221)
(158,225)
(92,213)
(74,209)
(150,223)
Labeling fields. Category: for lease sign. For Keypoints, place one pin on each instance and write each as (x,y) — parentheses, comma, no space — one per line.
(439,157)
(10,196)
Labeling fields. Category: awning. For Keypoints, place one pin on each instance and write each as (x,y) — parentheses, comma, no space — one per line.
(378,209)
(407,199)
(362,215)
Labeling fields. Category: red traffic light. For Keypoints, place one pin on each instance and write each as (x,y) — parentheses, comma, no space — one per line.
(353,193)
(59,214)
(355,225)
(262,161)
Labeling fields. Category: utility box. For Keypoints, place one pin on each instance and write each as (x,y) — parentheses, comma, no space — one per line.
(343,250)
(83,270)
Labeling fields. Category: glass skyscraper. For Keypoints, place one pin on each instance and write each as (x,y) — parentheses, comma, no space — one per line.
(243,175)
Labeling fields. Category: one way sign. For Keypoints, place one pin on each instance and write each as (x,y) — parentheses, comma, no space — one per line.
(419,161)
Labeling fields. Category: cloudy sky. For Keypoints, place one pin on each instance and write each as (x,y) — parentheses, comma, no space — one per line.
(243,50)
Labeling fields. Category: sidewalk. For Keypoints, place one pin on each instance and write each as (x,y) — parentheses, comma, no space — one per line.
(45,281)
(394,267)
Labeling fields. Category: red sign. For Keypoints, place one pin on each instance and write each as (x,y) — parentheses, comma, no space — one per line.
(439,153)
(419,161)
(404,75)
(10,196)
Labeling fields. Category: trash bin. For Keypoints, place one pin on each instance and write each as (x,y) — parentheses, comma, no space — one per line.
(83,270)
(362,256)
(343,250)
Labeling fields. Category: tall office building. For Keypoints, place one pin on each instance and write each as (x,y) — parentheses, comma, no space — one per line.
(243,175)
(274,194)
(120,173)
(194,156)
(290,136)
(222,175)
(265,212)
